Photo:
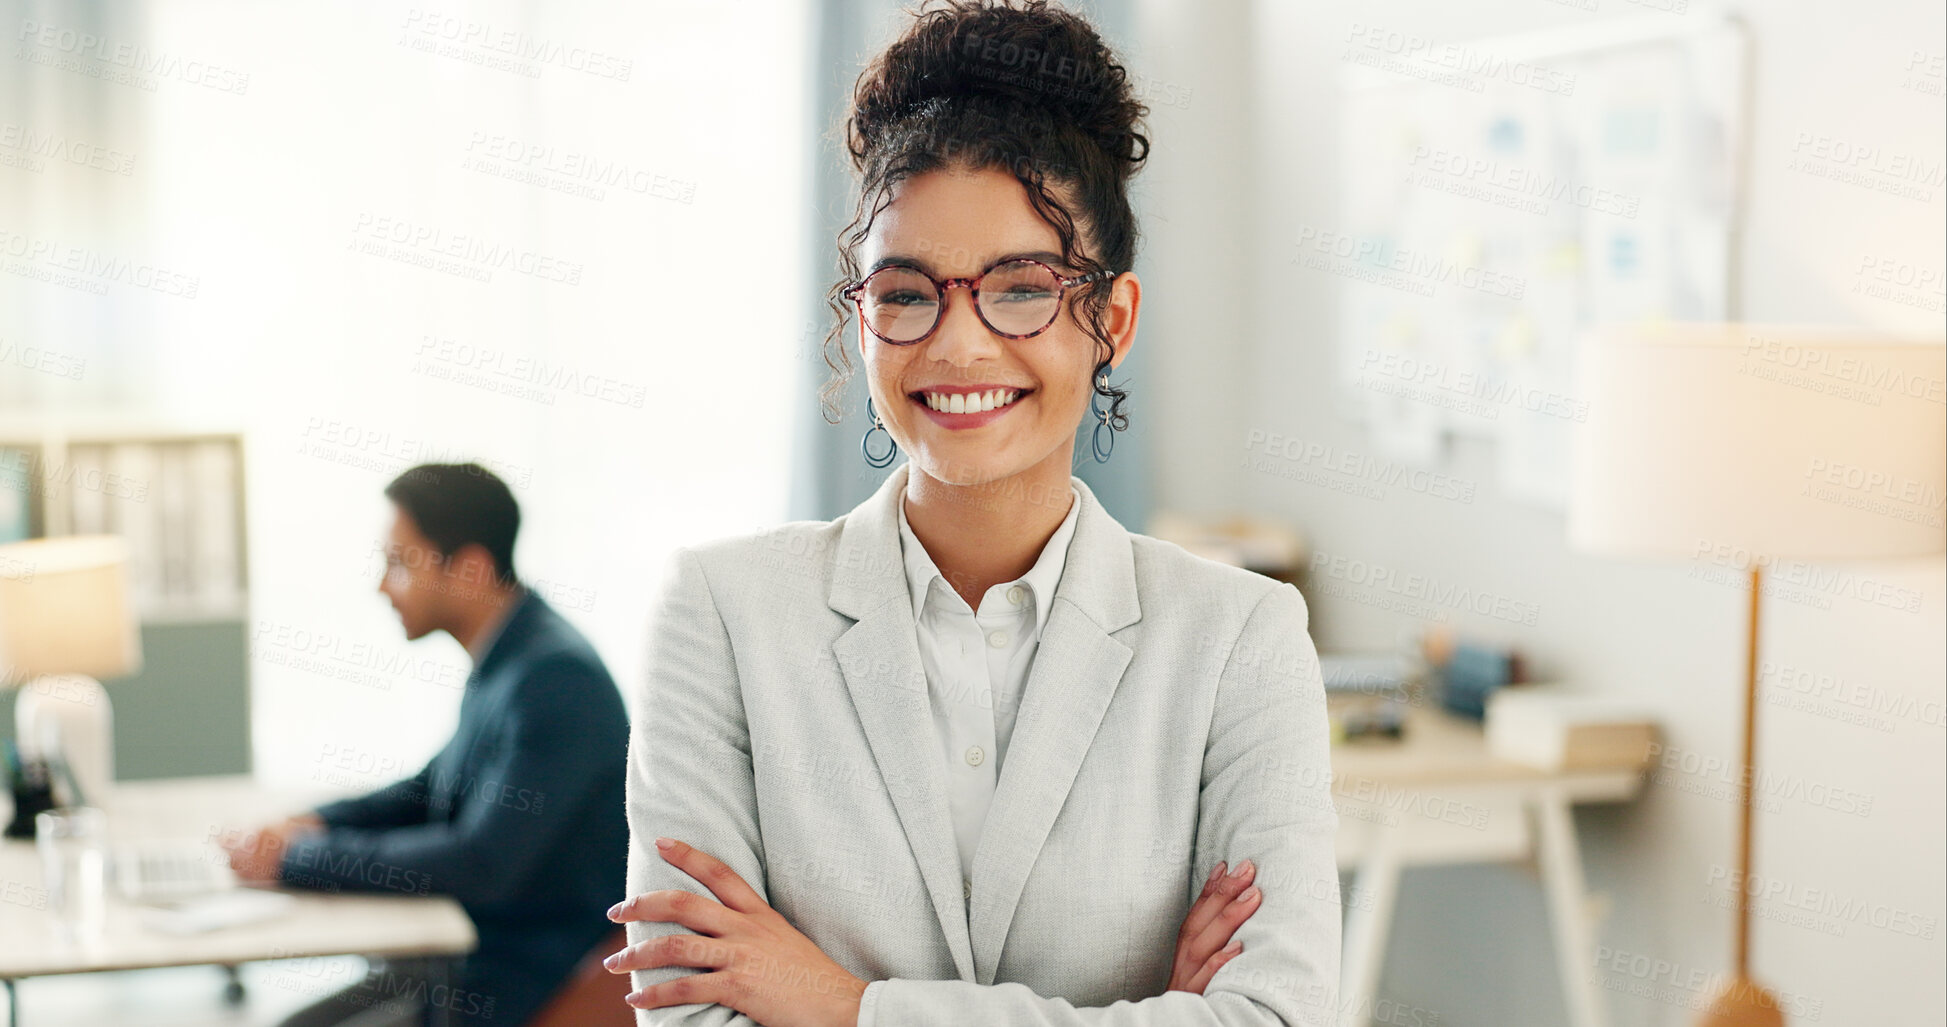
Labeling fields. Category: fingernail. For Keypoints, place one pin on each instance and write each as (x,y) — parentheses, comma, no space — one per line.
(614,911)
(664,843)
(612,960)
(1214,873)
(1250,894)
(1241,869)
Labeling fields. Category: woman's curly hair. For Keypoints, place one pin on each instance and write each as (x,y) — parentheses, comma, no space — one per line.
(1021,87)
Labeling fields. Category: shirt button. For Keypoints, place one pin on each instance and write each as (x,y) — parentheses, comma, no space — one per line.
(1016,594)
(997,639)
(966,887)
(975,755)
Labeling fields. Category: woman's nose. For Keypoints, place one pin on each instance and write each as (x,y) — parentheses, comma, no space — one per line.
(961,332)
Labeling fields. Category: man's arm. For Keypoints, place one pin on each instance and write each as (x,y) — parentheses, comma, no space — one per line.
(516,806)
(690,775)
(395,805)
(1266,796)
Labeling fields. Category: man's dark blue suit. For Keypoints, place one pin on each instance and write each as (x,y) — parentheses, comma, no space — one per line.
(520,817)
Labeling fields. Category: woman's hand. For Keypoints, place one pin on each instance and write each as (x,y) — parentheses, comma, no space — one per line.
(1200,945)
(763,967)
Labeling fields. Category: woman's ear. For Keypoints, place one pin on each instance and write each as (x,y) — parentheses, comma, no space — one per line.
(1125,303)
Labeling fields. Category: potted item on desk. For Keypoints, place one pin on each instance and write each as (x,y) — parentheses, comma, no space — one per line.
(1466,673)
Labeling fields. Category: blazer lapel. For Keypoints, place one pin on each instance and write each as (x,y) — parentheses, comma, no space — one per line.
(879,656)
(1076,669)
(1077,666)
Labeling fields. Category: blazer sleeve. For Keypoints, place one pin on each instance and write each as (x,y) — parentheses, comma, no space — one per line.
(395,805)
(1266,795)
(690,775)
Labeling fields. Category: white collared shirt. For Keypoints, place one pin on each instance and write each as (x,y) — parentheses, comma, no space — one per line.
(976,666)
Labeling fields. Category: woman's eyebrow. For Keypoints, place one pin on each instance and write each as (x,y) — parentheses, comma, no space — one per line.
(902,260)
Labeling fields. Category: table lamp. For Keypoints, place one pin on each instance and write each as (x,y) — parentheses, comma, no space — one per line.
(1754,444)
(65,620)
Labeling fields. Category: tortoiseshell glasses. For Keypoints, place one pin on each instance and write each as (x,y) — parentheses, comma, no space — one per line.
(1016,298)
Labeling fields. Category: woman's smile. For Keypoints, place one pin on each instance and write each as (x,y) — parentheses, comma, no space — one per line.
(960,408)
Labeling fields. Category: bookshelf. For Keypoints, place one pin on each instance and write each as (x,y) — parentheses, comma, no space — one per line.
(177,493)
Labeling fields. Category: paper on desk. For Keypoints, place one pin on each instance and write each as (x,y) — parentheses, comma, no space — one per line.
(217,910)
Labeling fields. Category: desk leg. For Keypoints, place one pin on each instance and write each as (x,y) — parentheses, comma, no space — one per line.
(1561,875)
(1369,914)
(439,991)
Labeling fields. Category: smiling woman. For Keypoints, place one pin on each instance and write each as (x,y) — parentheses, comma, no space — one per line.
(974,753)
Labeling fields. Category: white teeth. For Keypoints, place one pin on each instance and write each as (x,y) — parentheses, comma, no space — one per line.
(975,403)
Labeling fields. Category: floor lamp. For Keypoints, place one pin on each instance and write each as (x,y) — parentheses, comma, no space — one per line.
(1754,446)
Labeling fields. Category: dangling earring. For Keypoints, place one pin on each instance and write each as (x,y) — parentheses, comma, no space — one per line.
(892,447)
(1102,421)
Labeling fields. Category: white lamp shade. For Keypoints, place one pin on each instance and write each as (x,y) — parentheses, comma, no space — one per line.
(1784,442)
(65,609)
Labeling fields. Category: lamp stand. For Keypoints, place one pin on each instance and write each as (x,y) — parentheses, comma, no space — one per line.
(66,720)
(1743,1002)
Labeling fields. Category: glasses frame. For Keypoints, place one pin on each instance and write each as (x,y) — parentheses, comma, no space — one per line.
(855,293)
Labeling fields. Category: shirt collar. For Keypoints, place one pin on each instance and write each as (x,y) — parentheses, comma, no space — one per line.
(1041,579)
(490,638)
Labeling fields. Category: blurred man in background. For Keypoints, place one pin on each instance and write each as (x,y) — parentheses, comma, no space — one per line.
(519,817)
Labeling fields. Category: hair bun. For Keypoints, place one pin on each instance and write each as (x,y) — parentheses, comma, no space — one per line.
(1003,60)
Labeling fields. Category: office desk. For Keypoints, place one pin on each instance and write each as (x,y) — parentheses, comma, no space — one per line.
(1438,797)
(195,809)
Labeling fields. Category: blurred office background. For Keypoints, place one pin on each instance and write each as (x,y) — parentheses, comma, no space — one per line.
(236,223)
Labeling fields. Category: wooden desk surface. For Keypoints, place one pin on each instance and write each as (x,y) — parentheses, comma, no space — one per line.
(1446,749)
(198,809)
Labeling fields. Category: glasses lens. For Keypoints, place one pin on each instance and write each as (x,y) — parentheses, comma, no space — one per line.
(1020,297)
(900,303)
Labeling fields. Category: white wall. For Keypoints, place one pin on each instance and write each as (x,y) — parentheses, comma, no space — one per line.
(337,361)
(1471,944)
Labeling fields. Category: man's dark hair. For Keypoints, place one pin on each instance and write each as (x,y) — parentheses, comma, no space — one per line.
(461,504)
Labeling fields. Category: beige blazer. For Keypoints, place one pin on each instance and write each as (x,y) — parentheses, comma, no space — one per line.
(1174,716)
